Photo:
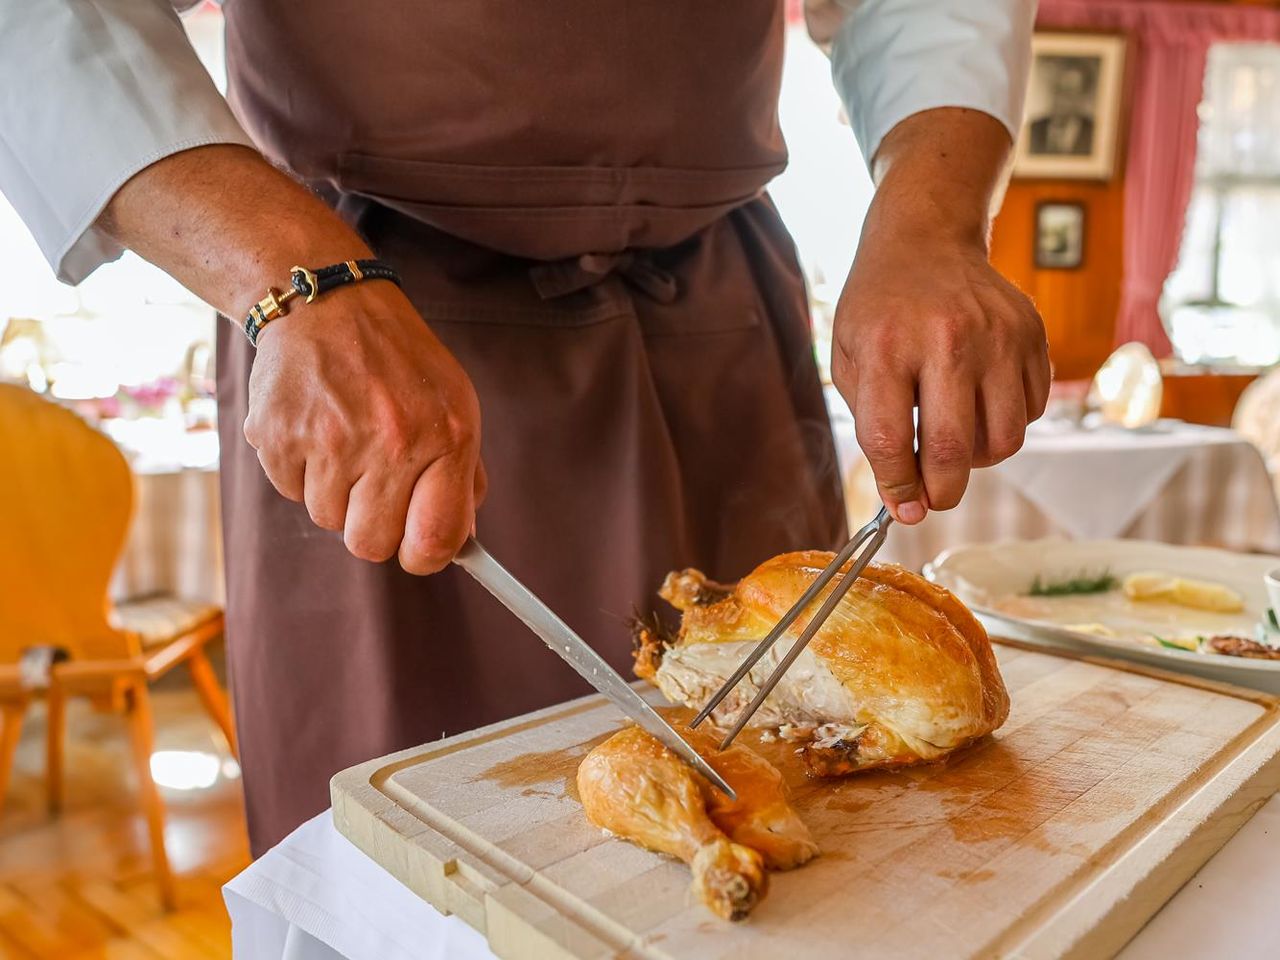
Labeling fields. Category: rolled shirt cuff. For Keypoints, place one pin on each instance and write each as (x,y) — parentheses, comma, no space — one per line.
(85,247)
(892,59)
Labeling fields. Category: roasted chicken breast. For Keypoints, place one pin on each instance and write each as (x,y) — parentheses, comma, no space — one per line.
(635,787)
(900,673)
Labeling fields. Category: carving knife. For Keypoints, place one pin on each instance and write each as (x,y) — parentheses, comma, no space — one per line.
(555,633)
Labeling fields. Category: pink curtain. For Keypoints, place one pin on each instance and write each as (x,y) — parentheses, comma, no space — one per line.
(1168,46)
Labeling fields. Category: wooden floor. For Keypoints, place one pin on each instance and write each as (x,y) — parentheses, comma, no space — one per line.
(79,886)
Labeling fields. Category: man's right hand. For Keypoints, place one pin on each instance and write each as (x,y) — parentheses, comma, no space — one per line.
(358,411)
(355,408)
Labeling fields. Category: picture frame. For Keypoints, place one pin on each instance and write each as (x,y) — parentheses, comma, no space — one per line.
(1071,129)
(1059,235)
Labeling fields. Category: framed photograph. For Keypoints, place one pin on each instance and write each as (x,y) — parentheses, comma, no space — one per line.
(1059,235)
(1074,103)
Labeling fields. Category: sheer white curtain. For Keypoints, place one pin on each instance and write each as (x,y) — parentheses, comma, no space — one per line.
(1222,303)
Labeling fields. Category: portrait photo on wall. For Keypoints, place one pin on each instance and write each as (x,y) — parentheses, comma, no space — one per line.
(1059,235)
(1072,123)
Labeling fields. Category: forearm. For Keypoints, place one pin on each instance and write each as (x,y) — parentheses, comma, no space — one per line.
(939,171)
(226,224)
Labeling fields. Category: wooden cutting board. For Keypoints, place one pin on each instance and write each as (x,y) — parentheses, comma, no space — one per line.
(1107,788)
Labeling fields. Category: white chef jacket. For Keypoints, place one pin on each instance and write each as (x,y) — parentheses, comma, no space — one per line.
(93,91)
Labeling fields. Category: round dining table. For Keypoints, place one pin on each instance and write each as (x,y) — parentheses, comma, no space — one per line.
(1172,482)
(174,543)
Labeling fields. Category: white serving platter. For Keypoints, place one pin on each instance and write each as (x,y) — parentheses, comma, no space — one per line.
(984,575)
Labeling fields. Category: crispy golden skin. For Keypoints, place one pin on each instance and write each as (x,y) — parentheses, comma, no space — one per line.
(918,674)
(635,787)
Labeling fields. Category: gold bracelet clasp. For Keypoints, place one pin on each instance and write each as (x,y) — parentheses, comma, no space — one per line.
(274,304)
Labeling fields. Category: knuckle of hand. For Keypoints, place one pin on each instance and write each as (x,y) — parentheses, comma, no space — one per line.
(420,562)
(394,428)
(462,433)
(433,550)
(397,442)
(283,481)
(325,517)
(948,452)
(883,340)
(955,339)
(882,444)
(329,435)
(1004,444)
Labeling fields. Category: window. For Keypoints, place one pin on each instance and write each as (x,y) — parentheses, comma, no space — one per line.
(1221,305)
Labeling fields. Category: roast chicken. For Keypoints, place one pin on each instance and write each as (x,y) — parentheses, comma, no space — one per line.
(901,672)
(633,786)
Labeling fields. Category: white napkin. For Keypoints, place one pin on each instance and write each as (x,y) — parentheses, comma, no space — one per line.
(1094,483)
(315,896)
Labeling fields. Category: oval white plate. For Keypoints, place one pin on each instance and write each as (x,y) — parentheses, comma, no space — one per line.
(983,574)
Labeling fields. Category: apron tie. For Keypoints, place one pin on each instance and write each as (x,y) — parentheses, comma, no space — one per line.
(561,277)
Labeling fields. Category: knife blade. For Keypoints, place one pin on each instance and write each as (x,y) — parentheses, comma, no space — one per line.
(571,648)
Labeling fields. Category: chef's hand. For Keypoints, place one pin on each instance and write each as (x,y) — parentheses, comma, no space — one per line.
(924,321)
(355,408)
(358,411)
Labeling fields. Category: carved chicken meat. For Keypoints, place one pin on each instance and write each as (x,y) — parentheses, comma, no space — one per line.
(635,787)
(900,673)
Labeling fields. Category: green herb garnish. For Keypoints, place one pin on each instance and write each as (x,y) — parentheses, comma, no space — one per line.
(1083,582)
(1200,642)
(1271,615)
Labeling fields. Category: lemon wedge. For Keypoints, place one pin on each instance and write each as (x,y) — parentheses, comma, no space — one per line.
(1093,629)
(1197,594)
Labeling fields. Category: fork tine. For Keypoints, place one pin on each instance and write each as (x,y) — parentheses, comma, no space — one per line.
(880,529)
(788,618)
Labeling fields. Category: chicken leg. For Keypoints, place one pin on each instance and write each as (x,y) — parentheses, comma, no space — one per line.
(635,787)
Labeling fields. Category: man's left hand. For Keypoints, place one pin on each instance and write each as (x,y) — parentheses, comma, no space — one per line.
(925,321)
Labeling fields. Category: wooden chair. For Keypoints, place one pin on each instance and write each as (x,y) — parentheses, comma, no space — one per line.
(1257,417)
(66,497)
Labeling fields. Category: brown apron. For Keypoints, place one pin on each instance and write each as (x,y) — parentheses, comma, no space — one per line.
(575,203)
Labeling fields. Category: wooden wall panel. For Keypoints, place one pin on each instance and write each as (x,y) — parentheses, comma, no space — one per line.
(1078,306)
(1198,397)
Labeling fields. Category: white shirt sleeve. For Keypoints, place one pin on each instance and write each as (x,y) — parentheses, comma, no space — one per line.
(894,58)
(91,92)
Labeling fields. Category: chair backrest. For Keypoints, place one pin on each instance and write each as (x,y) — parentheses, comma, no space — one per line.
(66,496)
(1257,417)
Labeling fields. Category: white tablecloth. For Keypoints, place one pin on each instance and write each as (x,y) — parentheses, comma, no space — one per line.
(1175,483)
(316,897)
(175,539)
